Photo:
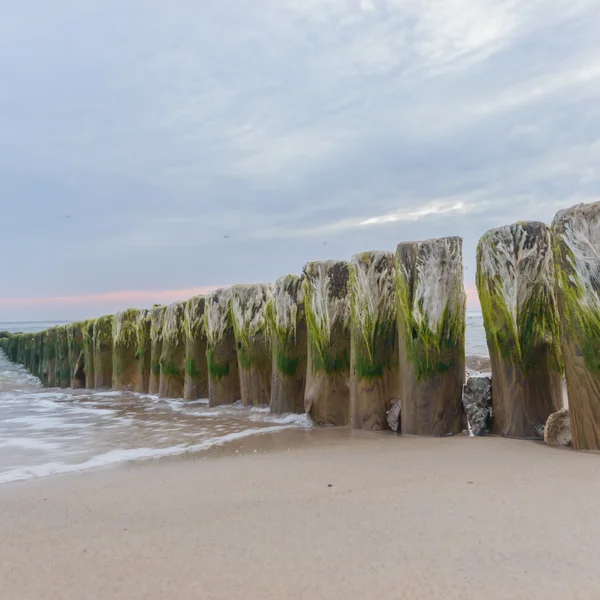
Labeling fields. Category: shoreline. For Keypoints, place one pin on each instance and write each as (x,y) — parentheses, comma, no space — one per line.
(336,515)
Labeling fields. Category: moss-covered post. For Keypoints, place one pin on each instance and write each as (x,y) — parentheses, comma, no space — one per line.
(287,329)
(172,358)
(143,354)
(125,368)
(516,290)
(62,367)
(75,340)
(157,316)
(375,369)
(327,308)
(221,355)
(49,379)
(248,305)
(103,351)
(87,329)
(196,372)
(576,244)
(431,303)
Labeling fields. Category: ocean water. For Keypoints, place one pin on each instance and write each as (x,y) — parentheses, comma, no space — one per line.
(50,431)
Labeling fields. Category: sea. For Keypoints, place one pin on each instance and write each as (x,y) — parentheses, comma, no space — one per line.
(51,431)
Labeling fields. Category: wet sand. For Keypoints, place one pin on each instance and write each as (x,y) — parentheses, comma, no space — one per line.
(313,514)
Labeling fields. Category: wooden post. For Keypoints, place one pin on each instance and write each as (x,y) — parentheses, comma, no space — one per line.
(221,355)
(172,358)
(50,358)
(157,316)
(516,290)
(576,244)
(196,371)
(375,369)
(287,329)
(75,340)
(248,304)
(88,353)
(431,326)
(103,351)
(327,306)
(125,368)
(143,354)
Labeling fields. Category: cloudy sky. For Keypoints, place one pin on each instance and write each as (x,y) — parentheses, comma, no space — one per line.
(152,149)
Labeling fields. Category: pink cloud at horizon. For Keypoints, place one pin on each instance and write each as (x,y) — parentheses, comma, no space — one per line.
(133,298)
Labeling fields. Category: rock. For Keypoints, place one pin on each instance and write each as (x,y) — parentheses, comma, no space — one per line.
(558,429)
(393,416)
(477,402)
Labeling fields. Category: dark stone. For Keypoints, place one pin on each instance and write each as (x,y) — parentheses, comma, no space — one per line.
(393,417)
(477,402)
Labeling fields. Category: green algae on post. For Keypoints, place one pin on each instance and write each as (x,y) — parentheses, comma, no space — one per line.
(172,358)
(76,355)
(431,303)
(103,351)
(248,305)
(157,315)
(287,329)
(62,372)
(195,384)
(49,371)
(87,328)
(327,308)
(576,249)
(125,368)
(516,289)
(143,351)
(375,380)
(221,355)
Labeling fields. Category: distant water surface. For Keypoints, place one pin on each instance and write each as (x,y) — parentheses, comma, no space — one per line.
(49,431)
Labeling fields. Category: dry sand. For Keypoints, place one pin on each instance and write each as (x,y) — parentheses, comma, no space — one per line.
(466,518)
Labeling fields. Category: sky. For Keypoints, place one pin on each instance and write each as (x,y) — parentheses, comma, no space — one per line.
(151,150)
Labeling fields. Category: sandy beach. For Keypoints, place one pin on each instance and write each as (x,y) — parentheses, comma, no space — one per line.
(312,514)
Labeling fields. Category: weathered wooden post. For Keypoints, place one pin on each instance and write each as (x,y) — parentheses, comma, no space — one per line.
(125,368)
(88,353)
(431,325)
(248,304)
(287,329)
(143,353)
(157,316)
(172,359)
(516,289)
(196,373)
(375,369)
(62,374)
(76,366)
(327,307)
(103,351)
(221,355)
(576,244)
(50,358)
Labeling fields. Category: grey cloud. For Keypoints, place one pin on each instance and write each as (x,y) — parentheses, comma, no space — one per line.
(136,135)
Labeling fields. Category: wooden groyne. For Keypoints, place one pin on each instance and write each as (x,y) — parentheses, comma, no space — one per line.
(345,340)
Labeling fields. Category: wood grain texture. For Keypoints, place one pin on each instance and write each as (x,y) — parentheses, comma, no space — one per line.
(223,373)
(576,244)
(327,306)
(195,383)
(515,280)
(288,385)
(431,322)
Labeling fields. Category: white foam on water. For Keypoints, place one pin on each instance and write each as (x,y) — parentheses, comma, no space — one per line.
(125,455)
